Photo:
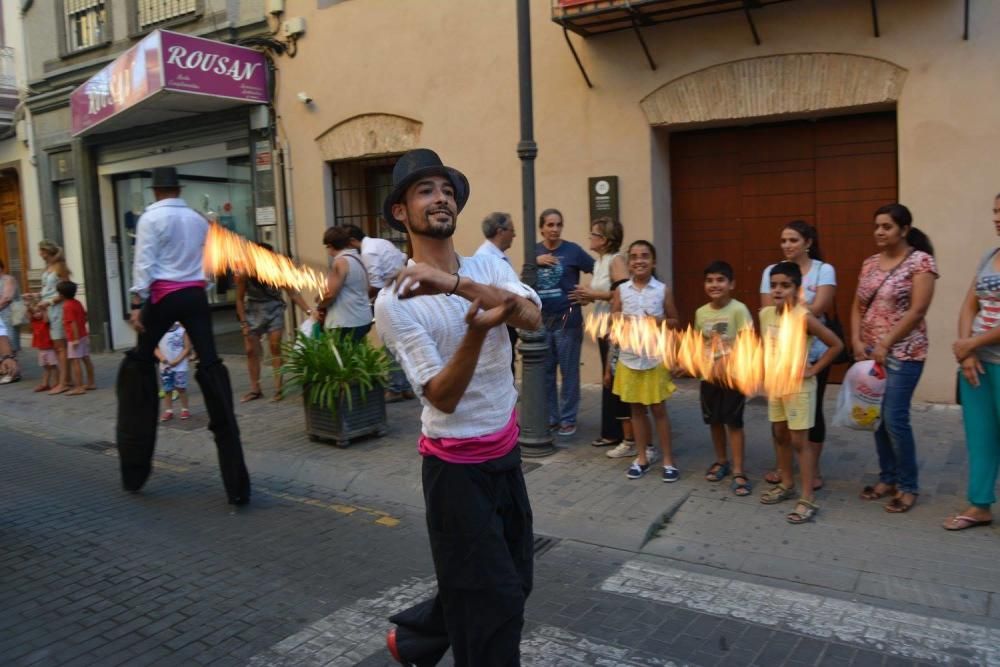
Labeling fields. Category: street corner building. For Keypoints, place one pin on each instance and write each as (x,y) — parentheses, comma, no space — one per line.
(704,126)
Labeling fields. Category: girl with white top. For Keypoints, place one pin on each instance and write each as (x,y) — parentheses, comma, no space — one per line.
(346,286)
(610,271)
(800,244)
(642,381)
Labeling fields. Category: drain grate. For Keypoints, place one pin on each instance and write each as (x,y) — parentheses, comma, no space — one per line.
(98,446)
(543,544)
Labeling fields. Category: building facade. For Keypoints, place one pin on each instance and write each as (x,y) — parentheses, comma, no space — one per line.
(127,86)
(19,219)
(714,125)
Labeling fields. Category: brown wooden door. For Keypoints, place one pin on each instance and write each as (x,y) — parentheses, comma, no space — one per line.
(735,188)
(12,240)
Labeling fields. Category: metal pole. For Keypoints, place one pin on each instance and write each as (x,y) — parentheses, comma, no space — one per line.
(535,439)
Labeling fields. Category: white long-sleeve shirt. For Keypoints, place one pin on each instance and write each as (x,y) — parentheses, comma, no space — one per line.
(382,260)
(169,245)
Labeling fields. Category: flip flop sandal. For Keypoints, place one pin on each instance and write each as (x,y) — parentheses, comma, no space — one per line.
(897,506)
(251,396)
(717,472)
(776,494)
(962,522)
(804,512)
(871,493)
(739,488)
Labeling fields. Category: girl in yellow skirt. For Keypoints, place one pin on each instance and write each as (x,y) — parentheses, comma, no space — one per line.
(642,381)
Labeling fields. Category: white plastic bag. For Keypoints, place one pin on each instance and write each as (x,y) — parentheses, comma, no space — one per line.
(308,327)
(859,405)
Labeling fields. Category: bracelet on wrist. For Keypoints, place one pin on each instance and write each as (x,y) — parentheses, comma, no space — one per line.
(458,279)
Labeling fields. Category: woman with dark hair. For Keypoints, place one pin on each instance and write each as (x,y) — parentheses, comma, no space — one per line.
(346,292)
(800,244)
(888,325)
(559,266)
(610,271)
(977,351)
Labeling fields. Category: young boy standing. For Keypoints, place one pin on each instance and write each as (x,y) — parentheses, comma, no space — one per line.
(793,414)
(77,339)
(719,321)
(173,352)
(42,341)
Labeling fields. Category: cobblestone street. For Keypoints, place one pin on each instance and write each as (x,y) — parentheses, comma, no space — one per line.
(334,541)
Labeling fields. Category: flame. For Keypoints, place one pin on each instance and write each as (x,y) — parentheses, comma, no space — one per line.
(772,365)
(228,251)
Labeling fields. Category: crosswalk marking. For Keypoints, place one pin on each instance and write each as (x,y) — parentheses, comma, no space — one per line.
(899,633)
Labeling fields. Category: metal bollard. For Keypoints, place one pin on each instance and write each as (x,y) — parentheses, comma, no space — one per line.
(535,439)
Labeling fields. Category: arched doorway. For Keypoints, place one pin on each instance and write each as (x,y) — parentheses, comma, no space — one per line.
(12,240)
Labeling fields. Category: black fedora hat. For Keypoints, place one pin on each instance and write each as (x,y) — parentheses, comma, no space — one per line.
(417,164)
(165,177)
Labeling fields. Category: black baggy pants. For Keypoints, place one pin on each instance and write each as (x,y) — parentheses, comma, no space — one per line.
(613,410)
(138,393)
(480,528)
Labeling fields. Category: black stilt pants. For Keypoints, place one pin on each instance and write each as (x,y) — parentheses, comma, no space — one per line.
(480,527)
(138,393)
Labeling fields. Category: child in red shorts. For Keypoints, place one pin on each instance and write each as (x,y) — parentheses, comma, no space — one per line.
(77,339)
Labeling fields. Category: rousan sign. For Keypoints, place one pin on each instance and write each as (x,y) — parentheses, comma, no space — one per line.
(167,61)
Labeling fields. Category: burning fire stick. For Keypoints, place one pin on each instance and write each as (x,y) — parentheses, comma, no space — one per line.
(228,251)
(749,364)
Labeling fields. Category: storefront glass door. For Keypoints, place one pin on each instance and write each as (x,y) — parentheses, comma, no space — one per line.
(219,189)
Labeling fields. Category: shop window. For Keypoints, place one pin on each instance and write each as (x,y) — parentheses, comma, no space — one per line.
(220,189)
(152,13)
(359,186)
(85,24)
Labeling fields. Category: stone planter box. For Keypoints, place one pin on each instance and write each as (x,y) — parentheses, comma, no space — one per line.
(365,416)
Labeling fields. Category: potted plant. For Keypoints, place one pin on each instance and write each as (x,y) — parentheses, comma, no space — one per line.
(342,382)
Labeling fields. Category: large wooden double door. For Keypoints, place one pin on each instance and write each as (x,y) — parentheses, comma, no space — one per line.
(12,241)
(734,189)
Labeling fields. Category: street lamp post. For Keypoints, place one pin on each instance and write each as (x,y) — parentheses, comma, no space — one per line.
(535,439)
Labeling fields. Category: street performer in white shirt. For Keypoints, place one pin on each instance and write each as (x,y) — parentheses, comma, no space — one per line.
(168,285)
(443,318)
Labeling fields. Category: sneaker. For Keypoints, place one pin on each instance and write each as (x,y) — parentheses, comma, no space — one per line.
(652,454)
(567,430)
(625,449)
(671,474)
(167,415)
(185,414)
(637,470)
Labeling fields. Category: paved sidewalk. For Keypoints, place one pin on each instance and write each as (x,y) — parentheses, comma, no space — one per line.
(854,548)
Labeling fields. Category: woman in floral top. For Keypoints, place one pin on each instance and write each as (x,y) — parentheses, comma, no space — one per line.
(978,351)
(887,324)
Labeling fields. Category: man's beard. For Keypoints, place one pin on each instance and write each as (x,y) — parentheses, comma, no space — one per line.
(435,230)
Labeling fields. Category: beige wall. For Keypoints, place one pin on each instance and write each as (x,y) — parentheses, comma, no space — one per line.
(451,65)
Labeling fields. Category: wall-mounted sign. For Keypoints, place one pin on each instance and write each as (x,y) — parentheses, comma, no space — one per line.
(602,191)
(167,62)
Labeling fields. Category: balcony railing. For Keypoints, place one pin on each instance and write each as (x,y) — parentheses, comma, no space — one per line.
(8,87)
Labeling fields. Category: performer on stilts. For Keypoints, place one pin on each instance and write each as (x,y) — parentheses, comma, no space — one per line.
(443,320)
(168,285)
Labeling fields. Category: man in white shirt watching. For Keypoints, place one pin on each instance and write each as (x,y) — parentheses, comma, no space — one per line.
(498,228)
(442,320)
(168,285)
(382,260)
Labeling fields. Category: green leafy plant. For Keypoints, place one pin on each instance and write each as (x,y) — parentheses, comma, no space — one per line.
(326,366)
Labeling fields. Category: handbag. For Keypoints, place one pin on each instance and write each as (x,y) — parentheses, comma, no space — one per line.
(18,313)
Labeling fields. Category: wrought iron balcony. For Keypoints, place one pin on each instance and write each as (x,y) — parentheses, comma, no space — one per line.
(8,87)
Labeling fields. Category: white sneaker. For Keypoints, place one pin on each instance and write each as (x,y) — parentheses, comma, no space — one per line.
(622,450)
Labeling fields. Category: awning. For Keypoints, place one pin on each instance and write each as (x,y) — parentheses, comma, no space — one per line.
(165,76)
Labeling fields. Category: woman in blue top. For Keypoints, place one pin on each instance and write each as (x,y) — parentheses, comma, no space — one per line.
(800,244)
(559,266)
